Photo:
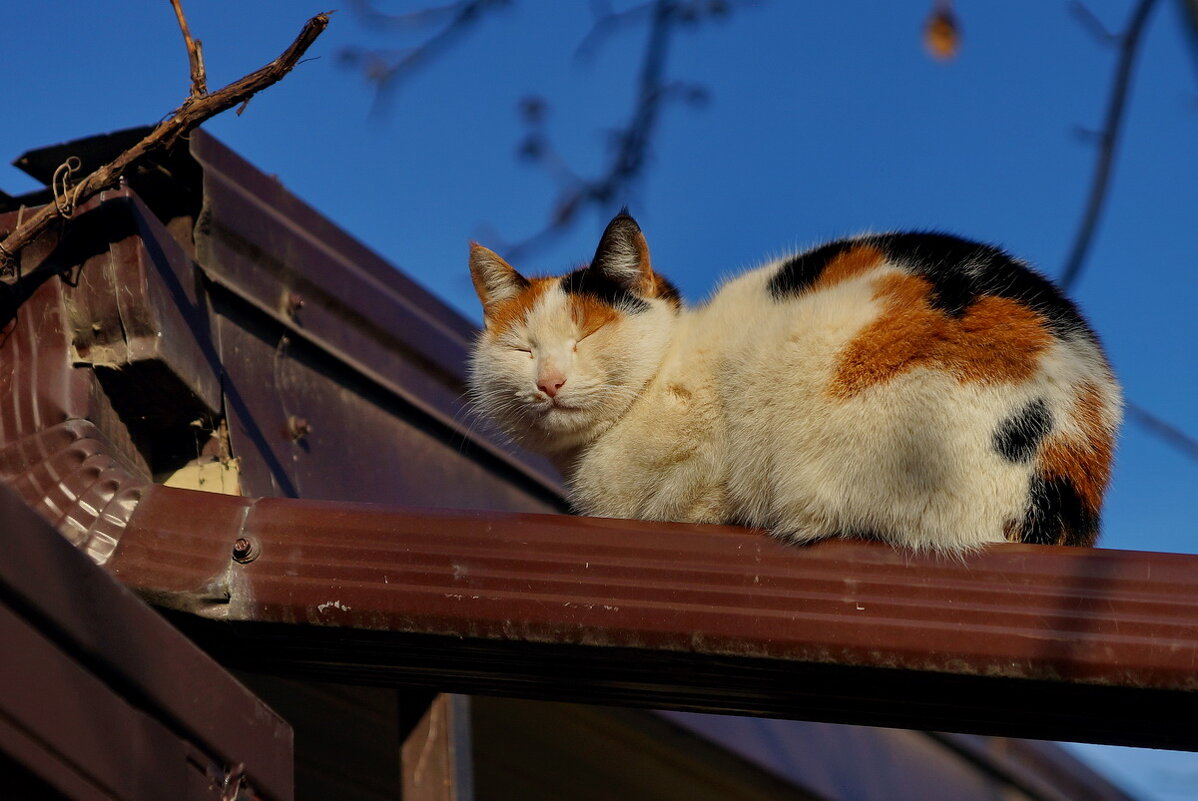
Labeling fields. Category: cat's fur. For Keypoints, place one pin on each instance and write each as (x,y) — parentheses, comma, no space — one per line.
(918,388)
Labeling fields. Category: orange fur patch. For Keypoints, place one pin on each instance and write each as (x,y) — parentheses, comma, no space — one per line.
(847,265)
(1085,461)
(590,313)
(996,340)
(503,314)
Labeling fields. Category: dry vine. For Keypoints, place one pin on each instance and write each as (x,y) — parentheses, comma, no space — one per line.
(196,109)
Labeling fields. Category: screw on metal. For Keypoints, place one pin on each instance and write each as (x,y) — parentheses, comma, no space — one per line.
(232,784)
(292,303)
(298,427)
(245,550)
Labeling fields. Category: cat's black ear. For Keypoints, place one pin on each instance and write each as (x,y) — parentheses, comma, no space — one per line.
(494,279)
(623,258)
(623,255)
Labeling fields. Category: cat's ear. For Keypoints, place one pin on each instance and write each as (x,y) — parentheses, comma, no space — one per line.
(623,255)
(494,279)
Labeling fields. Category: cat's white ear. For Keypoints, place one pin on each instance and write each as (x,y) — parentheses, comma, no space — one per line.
(623,255)
(494,279)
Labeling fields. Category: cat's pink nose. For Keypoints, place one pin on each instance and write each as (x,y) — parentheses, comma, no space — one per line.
(551,383)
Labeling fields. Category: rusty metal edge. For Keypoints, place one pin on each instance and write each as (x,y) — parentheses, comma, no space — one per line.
(1018,640)
(116,636)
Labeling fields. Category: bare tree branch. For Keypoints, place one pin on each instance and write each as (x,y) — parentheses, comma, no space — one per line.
(195,53)
(195,110)
(607,22)
(388,69)
(632,141)
(1129,44)
(1189,13)
(1091,22)
(1164,430)
(421,18)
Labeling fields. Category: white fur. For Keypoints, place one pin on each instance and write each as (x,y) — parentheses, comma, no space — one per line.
(722,413)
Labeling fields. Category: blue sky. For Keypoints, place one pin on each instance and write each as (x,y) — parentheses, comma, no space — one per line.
(824,119)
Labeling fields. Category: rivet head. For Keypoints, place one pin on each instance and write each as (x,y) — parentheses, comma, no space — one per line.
(244,550)
(298,427)
(293,302)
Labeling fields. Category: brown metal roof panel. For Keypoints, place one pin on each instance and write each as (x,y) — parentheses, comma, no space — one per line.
(105,634)
(69,728)
(302,423)
(297,219)
(269,248)
(1020,639)
(92,393)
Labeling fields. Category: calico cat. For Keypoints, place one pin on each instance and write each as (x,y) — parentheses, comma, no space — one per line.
(912,387)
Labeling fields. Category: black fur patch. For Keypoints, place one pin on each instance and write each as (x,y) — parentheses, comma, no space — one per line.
(1057,515)
(959,270)
(799,272)
(1017,437)
(948,262)
(595,283)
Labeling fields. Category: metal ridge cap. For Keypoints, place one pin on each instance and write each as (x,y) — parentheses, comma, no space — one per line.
(717,599)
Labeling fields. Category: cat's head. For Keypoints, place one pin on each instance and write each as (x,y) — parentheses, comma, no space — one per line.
(562,358)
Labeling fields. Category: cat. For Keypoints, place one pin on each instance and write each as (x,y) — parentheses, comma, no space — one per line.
(915,388)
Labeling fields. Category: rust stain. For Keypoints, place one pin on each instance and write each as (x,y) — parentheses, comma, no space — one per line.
(997,340)
(848,265)
(1085,460)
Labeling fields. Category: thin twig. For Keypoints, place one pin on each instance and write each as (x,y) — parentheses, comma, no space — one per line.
(606,22)
(387,69)
(406,20)
(194,111)
(632,141)
(1129,44)
(1165,430)
(1189,9)
(195,54)
(1091,21)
